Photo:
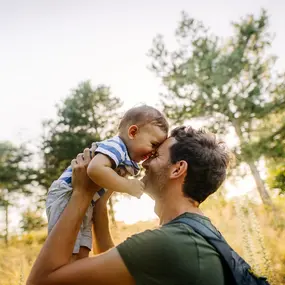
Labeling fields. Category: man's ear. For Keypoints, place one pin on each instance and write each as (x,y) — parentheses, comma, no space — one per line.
(179,169)
(132,131)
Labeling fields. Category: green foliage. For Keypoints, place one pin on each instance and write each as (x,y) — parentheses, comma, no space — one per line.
(272,147)
(14,176)
(230,83)
(88,109)
(271,143)
(14,173)
(88,114)
(32,221)
(276,177)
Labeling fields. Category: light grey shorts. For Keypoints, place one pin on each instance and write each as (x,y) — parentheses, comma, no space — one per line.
(58,196)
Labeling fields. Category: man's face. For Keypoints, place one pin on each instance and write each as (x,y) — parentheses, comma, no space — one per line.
(157,169)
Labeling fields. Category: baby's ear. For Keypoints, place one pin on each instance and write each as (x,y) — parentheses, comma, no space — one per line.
(132,131)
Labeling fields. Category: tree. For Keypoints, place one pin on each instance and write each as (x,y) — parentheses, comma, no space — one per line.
(231,84)
(32,220)
(87,115)
(15,175)
(272,146)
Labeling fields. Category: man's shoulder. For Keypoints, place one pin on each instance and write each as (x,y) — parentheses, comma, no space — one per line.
(171,230)
(163,255)
(168,235)
(147,253)
(203,221)
(175,236)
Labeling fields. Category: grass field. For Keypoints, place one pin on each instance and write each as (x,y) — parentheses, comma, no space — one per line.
(258,235)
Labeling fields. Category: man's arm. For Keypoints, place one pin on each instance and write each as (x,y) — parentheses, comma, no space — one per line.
(52,266)
(101,231)
(105,269)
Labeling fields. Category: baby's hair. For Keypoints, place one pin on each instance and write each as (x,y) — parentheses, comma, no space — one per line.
(143,115)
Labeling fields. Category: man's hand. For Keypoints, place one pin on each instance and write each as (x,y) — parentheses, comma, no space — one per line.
(80,180)
(135,187)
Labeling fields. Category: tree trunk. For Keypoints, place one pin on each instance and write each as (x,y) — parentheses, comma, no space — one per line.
(260,185)
(6,224)
(112,212)
(258,181)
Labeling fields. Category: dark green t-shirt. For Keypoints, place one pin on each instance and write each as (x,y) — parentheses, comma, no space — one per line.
(173,254)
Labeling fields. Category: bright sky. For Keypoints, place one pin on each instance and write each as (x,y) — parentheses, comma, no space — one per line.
(48,47)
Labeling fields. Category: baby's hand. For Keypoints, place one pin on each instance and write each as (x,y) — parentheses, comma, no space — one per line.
(135,187)
(121,171)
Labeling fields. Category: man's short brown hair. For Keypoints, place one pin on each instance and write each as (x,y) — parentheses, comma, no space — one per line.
(207,160)
(143,115)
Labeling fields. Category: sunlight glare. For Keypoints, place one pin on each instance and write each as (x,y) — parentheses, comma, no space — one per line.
(132,210)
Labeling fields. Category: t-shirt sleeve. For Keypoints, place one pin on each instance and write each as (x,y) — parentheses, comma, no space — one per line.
(113,149)
(147,255)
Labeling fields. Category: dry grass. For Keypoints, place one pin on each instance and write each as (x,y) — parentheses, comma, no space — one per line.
(258,235)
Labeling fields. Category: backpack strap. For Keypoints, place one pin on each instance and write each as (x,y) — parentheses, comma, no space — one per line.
(229,256)
(217,241)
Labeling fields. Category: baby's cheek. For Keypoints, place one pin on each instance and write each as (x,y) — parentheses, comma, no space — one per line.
(142,151)
(146,150)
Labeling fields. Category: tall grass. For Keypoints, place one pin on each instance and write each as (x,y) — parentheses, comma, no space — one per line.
(256,233)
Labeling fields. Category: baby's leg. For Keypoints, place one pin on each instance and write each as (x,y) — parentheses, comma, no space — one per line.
(57,199)
(83,253)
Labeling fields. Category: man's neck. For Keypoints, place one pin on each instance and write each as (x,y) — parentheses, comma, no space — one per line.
(168,208)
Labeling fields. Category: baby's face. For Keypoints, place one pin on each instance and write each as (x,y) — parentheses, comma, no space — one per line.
(146,141)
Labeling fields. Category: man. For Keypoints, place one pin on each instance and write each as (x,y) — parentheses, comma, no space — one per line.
(188,167)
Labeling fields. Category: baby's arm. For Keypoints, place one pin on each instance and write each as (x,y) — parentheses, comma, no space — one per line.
(100,171)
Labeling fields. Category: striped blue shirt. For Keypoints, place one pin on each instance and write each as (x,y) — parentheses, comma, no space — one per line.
(116,150)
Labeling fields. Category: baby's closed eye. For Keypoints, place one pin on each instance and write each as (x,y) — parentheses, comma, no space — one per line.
(154,154)
(154,145)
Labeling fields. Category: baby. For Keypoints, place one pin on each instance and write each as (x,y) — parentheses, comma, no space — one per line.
(141,130)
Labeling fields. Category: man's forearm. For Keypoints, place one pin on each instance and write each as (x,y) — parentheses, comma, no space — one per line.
(101,230)
(57,249)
